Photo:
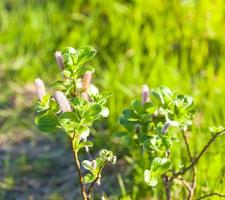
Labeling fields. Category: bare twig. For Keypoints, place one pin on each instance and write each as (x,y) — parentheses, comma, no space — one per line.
(184,183)
(187,146)
(184,170)
(210,195)
(167,185)
(77,162)
(193,184)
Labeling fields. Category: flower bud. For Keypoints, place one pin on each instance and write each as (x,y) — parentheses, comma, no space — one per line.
(40,88)
(84,96)
(94,164)
(62,102)
(59,60)
(145,94)
(165,127)
(86,81)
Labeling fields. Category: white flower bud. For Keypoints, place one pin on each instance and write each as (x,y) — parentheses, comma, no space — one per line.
(94,164)
(62,102)
(40,88)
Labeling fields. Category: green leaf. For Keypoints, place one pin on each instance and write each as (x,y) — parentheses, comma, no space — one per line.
(57,83)
(87,165)
(150,108)
(107,155)
(67,72)
(100,161)
(68,120)
(95,109)
(82,70)
(158,96)
(215,129)
(137,106)
(166,92)
(85,54)
(44,104)
(160,165)
(149,178)
(88,178)
(130,114)
(85,144)
(48,122)
(69,50)
(129,125)
(83,132)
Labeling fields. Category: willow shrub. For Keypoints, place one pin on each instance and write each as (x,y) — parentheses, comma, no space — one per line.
(152,125)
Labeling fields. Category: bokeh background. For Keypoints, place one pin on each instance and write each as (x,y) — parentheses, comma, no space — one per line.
(178,43)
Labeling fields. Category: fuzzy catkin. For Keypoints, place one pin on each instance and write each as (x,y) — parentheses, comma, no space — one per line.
(62,101)
(40,88)
(86,81)
(59,60)
(145,94)
(84,96)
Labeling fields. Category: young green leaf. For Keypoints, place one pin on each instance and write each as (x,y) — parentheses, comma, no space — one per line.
(68,120)
(85,54)
(82,70)
(48,122)
(88,178)
(150,178)
(160,165)
(87,165)
(84,144)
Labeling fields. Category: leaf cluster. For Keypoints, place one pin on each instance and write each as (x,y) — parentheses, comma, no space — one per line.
(149,125)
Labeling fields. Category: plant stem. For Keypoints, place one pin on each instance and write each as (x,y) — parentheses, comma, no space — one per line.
(210,195)
(184,170)
(167,185)
(193,184)
(77,162)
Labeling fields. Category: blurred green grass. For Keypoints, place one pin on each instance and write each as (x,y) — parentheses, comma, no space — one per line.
(179,43)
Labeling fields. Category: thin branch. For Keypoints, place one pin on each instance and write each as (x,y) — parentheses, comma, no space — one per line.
(210,195)
(167,185)
(184,170)
(77,162)
(187,146)
(184,183)
(193,184)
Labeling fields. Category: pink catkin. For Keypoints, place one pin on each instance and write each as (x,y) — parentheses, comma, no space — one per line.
(84,96)
(40,88)
(62,101)
(59,60)
(86,81)
(145,94)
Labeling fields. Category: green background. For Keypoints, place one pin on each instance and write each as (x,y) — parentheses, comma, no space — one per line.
(179,44)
